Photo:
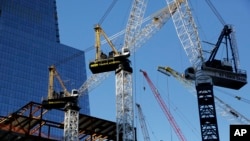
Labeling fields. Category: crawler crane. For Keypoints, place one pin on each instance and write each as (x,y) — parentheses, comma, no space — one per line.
(206,73)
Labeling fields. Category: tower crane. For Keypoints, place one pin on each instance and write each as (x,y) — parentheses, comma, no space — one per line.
(164,107)
(119,62)
(143,123)
(67,101)
(205,73)
(223,108)
(157,21)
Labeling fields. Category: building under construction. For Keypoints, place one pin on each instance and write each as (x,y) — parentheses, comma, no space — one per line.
(28,124)
(24,80)
(29,43)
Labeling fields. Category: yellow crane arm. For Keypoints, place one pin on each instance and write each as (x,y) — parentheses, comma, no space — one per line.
(98,32)
(53,73)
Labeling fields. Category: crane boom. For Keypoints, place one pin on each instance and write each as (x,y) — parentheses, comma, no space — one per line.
(134,21)
(158,19)
(187,32)
(164,107)
(223,108)
(143,123)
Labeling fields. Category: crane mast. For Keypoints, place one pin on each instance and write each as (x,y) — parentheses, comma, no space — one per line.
(143,123)
(188,34)
(124,104)
(164,107)
(206,107)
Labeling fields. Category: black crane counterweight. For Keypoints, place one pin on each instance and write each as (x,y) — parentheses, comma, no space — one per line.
(111,62)
(107,64)
(226,79)
(58,100)
(224,72)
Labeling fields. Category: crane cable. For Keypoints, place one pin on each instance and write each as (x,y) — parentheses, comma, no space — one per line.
(216,13)
(247,101)
(80,53)
(178,112)
(224,23)
(107,12)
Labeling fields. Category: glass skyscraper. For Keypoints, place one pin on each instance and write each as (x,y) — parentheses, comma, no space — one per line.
(29,44)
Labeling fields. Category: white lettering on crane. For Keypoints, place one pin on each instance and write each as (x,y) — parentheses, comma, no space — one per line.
(204,91)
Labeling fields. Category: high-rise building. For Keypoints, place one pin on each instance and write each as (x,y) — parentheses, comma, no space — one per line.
(29,44)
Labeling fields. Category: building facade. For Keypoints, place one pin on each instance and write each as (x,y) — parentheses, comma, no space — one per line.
(29,44)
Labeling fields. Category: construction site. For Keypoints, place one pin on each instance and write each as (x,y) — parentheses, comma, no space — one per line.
(139,77)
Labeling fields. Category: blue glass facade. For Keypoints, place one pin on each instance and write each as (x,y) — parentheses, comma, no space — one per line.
(29,44)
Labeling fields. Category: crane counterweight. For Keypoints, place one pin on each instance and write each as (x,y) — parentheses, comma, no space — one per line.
(225,73)
(103,62)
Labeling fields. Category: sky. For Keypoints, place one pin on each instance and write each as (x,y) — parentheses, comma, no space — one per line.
(76,22)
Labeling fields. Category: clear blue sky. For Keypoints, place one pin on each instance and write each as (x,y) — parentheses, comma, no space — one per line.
(76,21)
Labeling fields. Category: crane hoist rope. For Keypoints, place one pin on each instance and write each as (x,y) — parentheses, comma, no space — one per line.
(216,13)
(107,12)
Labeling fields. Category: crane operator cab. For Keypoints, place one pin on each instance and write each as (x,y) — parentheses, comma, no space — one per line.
(125,52)
(110,62)
(74,92)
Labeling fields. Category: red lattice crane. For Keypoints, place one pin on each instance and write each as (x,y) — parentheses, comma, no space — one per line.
(164,107)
